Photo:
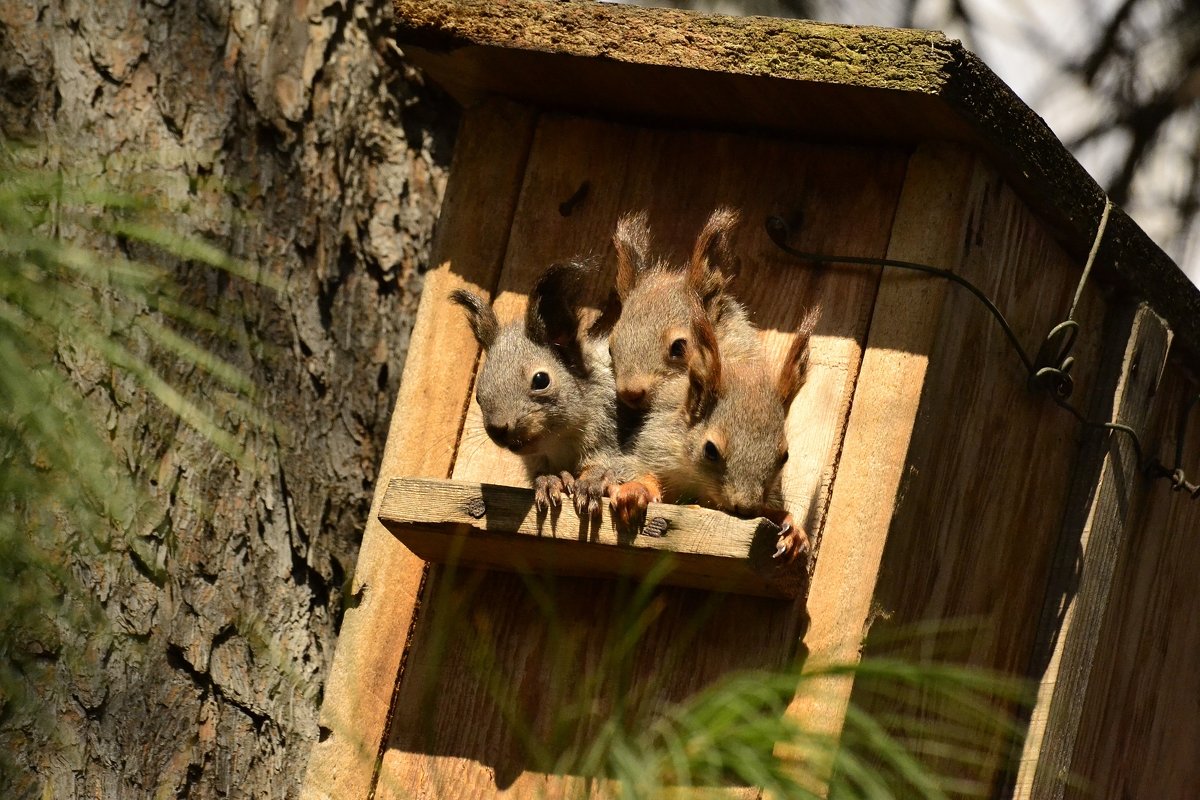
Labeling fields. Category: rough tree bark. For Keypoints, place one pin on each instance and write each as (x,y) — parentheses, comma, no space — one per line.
(296,138)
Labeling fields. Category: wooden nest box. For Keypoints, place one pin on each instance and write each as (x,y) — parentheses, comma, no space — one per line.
(936,483)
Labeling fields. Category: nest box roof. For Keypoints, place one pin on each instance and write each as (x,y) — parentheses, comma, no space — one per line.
(828,82)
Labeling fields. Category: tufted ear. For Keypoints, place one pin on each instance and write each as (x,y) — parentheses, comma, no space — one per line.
(479,315)
(704,367)
(795,364)
(710,254)
(551,318)
(632,242)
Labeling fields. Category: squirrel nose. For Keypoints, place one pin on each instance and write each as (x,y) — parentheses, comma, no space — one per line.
(632,396)
(497,433)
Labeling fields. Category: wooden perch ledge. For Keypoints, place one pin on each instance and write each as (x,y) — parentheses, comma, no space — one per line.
(498,527)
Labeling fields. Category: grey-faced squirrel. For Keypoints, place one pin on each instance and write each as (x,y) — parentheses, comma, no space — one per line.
(546,387)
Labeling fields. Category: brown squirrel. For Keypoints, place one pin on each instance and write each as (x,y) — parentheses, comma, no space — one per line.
(685,352)
(718,438)
(546,388)
(651,341)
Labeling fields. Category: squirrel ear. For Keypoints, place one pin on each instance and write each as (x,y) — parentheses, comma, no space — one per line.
(479,315)
(607,320)
(704,367)
(710,253)
(632,241)
(551,316)
(795,363)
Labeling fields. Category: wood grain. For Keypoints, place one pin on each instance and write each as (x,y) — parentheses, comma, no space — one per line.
(493,648)
(933,209)
(473,233)
(1139,726)
(988,469)
(498,527)
(1090,555)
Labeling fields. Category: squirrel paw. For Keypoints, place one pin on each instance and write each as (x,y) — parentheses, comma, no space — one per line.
(792,543)
(548,491)
(590,489)
(629,502)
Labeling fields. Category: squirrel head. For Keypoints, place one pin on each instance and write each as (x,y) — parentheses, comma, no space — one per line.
(652,339)
(535,373)
(737,413)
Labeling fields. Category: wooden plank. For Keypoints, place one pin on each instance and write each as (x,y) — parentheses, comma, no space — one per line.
(834,82)
(1089,558)
(620,663)
(989,468)
(472,234)
(498,527)
(933,210)
(570,158)
(1140,723)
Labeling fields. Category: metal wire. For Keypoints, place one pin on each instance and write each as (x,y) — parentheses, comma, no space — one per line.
(1050,371)
(1176,475)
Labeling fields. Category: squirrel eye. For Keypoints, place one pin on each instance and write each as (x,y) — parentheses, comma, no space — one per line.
(783,458)
(678,348)
(711,452)
(540,381)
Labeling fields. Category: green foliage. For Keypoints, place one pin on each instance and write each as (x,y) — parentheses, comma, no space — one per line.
(67,495)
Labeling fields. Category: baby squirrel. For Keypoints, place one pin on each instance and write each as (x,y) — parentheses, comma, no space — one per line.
(721,441)
(685,351)
(651,341)
(546,387)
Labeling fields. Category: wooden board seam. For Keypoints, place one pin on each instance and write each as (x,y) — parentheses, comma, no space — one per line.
(817,535)
(410,634)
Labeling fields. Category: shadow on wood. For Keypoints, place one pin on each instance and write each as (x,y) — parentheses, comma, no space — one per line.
(541,688)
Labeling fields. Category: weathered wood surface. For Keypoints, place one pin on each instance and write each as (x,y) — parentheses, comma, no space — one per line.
(1089,557)
(988,469)
(830,81)
(488,525)
(1139,727)
(627,664)
(940,190)
(285,135)
(422,440)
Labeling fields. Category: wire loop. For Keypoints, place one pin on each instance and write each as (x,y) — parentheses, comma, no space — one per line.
(1050,371)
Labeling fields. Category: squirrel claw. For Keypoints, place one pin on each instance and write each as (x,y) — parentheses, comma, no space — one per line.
(590,489)
(547,492)
(629,503)
(792,542)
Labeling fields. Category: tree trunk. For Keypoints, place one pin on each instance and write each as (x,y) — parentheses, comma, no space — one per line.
(295,137)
